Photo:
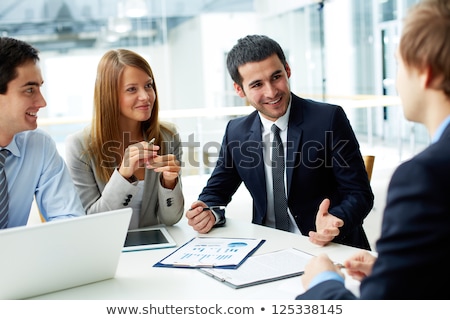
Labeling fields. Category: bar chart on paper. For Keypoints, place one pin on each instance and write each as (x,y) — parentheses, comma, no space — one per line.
(203,252)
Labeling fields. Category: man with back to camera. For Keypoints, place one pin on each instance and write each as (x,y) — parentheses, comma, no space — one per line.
(325,191)
(413,245)
(30,165)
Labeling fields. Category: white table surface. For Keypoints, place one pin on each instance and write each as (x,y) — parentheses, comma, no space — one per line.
(137,279)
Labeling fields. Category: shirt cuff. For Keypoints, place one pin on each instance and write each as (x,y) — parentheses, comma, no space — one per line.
(218,217)
(325,276)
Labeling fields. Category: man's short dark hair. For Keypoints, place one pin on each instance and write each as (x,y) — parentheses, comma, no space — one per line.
(252,48)
(13,54)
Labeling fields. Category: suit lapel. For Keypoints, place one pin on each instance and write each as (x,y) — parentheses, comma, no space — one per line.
(255,134)
(293,138)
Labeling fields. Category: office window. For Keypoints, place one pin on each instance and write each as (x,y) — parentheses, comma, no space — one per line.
(388,10)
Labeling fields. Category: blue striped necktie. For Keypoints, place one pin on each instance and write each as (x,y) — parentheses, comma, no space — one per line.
(4,201)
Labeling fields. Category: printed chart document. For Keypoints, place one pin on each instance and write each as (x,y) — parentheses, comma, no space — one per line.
(263,268)
(211,252)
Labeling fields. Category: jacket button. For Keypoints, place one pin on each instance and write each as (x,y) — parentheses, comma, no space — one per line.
(127,200)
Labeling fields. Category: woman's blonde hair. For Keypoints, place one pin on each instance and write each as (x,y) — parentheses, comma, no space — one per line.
(105,143)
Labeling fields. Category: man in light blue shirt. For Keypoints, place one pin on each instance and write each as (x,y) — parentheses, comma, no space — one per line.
(33,166)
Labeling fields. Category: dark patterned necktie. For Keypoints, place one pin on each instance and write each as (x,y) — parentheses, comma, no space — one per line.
(4,199)
(279,194)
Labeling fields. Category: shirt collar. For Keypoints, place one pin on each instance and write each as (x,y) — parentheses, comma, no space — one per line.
(13,147)
(440,129)
(281,122)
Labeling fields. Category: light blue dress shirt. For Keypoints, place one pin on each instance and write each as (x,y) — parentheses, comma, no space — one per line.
(325,276)
(440,129)
(34,168)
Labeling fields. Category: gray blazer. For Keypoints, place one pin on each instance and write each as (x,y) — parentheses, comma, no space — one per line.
(159,205)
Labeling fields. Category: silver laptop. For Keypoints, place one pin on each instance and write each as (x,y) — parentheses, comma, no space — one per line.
(61,254)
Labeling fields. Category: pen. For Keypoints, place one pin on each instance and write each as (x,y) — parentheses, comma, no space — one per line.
(339,265)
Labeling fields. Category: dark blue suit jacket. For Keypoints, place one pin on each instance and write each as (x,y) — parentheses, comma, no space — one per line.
(413,248)
(323,161)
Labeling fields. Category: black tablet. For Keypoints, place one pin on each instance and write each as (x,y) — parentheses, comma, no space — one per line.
(148,238)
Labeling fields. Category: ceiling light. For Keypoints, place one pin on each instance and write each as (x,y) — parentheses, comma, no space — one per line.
(119,24)
(135,8)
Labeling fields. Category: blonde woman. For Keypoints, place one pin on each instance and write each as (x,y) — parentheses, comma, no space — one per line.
(127,157)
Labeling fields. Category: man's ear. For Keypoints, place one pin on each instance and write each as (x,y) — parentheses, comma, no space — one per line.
(240,92)
(426,76)
(429,79)
(288,69)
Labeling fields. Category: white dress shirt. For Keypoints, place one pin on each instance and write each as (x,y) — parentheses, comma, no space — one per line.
(267,138)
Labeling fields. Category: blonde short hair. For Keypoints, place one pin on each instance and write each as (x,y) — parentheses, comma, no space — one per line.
(425,39)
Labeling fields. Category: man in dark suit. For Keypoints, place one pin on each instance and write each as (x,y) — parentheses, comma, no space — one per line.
(325,183)
(413,247)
